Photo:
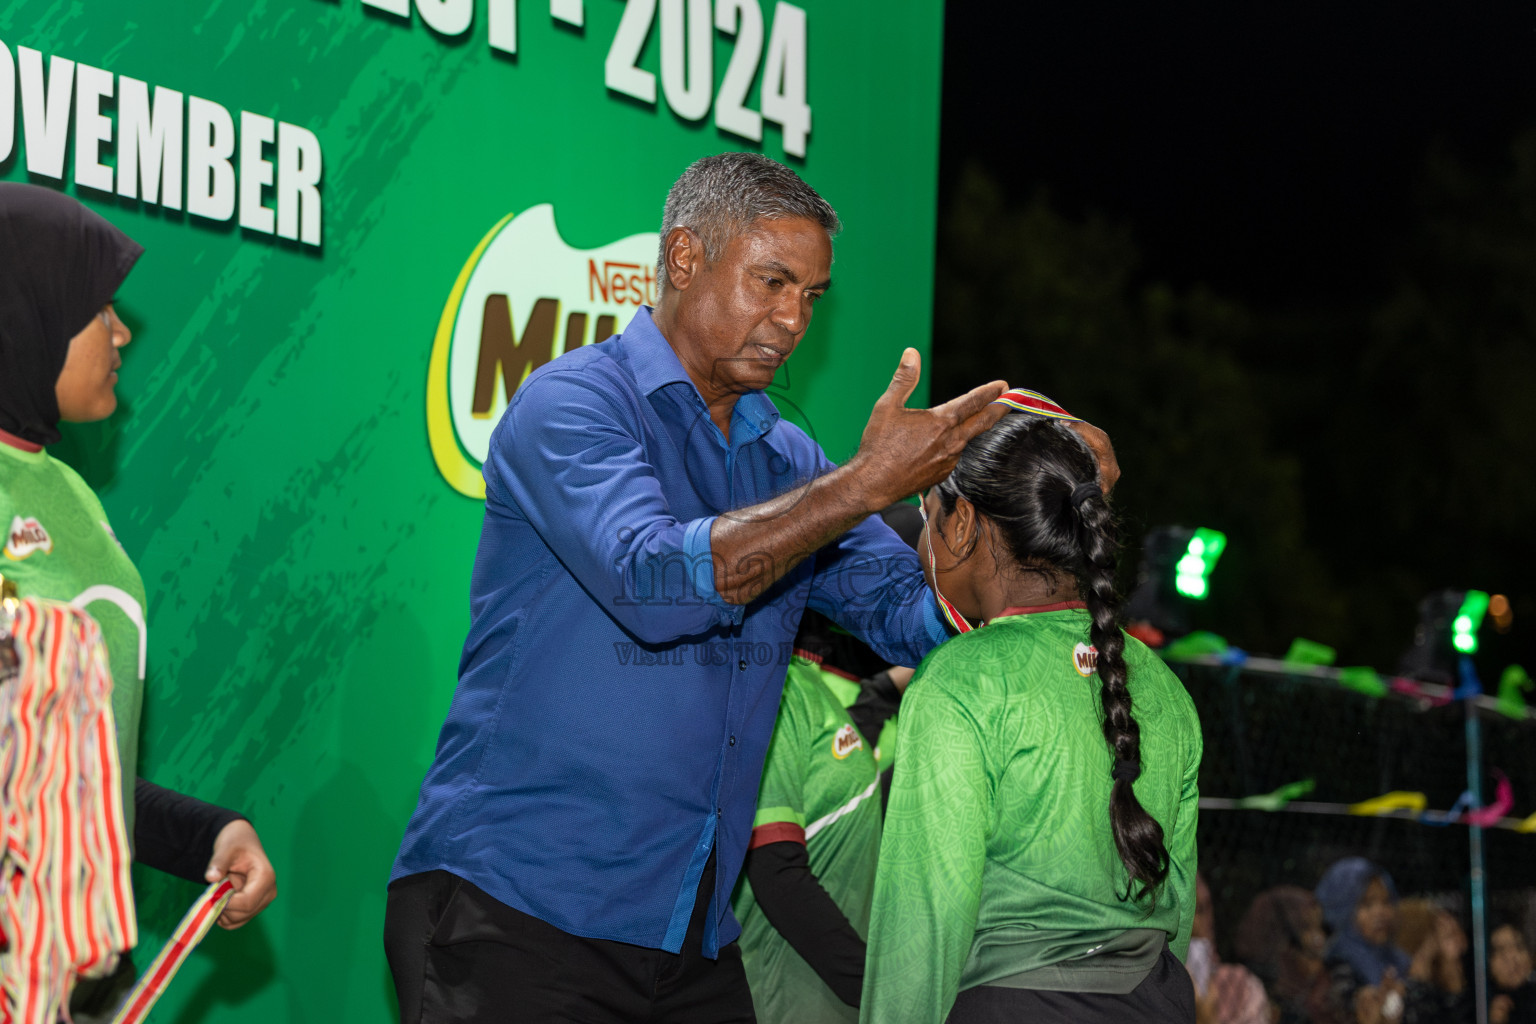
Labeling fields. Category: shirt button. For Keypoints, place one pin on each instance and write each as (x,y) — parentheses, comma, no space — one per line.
(717,812)
(742,664)
(733,741)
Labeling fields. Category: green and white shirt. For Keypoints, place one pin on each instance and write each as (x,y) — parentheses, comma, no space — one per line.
(997,866)
(58,545)
(820,787)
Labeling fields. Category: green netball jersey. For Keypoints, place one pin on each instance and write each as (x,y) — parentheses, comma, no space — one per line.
(845,687)
(820,787)
(58,545)
(997,866)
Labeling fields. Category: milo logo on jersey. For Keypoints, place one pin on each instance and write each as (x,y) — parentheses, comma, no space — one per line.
(26,537)
(522,298)
(1085,659)
(846,742)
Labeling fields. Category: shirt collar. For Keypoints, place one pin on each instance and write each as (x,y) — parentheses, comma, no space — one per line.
(755,414)
(22,449)
(654,365)
(1037,609)
(652,361)
(19,443)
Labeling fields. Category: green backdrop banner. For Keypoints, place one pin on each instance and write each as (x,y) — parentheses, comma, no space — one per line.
(364,221)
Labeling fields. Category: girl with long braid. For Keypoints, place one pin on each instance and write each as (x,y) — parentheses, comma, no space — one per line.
(1038,860)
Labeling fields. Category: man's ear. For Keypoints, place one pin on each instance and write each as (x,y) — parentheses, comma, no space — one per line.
(682,257)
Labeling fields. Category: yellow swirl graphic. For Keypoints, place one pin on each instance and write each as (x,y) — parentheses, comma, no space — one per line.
(461,474)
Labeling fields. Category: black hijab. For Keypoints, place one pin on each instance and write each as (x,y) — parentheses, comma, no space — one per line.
(59,264)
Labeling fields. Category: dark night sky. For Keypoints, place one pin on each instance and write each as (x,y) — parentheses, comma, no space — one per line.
(1278,153)
(1267,149)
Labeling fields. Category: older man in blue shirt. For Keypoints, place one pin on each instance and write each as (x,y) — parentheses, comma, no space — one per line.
(653,532)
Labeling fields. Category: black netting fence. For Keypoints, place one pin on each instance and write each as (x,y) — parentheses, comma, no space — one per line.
(1304,766)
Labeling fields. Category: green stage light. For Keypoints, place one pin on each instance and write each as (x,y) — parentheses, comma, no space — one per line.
(1464,627)
(1175,570)
(1446,633)
(1193,571)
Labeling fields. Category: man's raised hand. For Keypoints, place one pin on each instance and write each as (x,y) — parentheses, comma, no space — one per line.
(1103,451)
(904,451)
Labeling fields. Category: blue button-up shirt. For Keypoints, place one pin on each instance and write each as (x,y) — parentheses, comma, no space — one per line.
(613,712)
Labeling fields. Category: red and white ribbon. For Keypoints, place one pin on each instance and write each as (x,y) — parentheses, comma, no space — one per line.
(66,901)
(1024,400)
(194,925)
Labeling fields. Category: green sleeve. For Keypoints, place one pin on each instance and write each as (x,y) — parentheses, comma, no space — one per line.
(928,884)
(781,794)
(1181,848)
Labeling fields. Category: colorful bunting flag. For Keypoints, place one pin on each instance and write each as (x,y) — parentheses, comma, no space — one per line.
(1388,803)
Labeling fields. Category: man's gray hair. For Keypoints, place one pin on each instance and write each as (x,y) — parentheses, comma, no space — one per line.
(722,196)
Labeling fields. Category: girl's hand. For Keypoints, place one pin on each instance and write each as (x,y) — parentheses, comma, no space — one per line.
(238,854)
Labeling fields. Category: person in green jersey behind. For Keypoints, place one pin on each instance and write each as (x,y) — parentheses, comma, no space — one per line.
(863,682)
(1038,859)
(60,337)
(803,898)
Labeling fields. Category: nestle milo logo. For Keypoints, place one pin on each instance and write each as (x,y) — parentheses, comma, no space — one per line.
(1085,659)
(523,297)
(846,742)
(25,537)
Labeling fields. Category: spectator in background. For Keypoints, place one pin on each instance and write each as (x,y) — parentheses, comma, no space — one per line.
(1435,939)
(1281,939)
(1512,997)
(1371,975)
(1224,993)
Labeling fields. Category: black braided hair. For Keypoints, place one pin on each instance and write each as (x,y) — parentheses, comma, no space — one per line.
(1021,475)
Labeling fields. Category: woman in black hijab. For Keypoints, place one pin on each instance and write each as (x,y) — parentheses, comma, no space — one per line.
(59,267)
(60,339)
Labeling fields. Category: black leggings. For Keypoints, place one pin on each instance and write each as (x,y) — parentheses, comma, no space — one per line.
(1165,996)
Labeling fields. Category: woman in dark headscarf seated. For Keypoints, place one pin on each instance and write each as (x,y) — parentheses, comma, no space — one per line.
(60,338)
(1371,974)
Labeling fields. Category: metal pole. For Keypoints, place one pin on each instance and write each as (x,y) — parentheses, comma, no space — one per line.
(1475,842)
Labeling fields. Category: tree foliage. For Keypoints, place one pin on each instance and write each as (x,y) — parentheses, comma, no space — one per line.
(1357,455)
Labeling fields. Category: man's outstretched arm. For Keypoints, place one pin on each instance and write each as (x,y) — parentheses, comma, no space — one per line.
(902,451)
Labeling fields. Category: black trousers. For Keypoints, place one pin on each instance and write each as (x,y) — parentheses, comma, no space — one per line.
(1165,996)
(459,956)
